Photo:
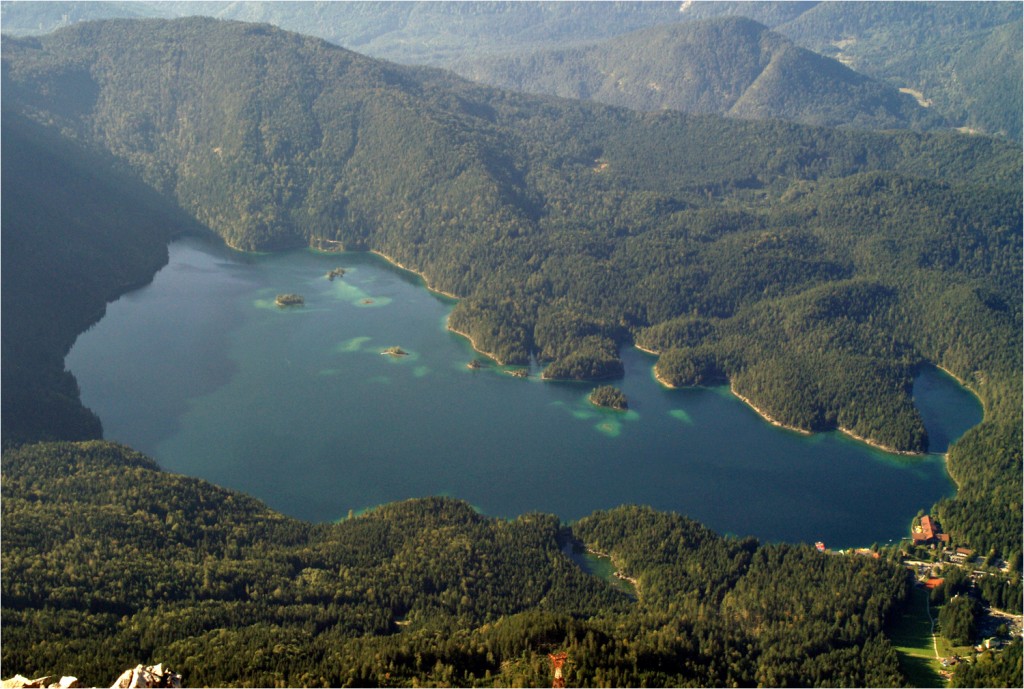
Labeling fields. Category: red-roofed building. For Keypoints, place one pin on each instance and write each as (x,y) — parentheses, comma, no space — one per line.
(933,583)
(925,532)
(962,555)
(929,532)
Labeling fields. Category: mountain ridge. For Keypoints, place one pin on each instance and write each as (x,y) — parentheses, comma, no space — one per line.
(728,65)
(963,57)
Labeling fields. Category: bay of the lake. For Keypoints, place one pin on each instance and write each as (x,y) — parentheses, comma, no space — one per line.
(298,407)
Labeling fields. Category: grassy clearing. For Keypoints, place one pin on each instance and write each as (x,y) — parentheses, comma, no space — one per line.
(911,635)
(947,649)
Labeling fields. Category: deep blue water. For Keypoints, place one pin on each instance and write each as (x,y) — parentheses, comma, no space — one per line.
(298,407)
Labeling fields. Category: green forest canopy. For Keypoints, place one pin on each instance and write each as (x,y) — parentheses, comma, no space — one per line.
(117,561)
(109,561)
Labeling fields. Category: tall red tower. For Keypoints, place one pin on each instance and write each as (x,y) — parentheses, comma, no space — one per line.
(557,661)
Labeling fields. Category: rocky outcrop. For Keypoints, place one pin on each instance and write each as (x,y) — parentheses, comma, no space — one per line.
(146,676)
(140,676)
(20,682)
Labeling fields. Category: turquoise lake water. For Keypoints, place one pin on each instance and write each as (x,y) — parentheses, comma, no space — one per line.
(298,407)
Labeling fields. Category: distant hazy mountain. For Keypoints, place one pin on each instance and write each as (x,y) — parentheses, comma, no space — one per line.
(407,32)
(961,59)
(964,58)
(730,66)
(35,18)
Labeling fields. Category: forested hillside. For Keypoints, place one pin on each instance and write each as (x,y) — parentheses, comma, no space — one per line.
(814,268)
(962,60)
(965,59)
(727,66)
(70,243)
(108,560)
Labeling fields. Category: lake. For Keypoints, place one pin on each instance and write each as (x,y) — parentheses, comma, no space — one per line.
(298,407)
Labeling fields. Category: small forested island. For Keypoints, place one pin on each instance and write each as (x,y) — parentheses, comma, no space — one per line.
(518,372)
(395,352)
(284,300)
(475,364)
(610,397)
(336,273)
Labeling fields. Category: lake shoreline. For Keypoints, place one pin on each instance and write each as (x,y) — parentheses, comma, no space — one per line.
(732,388)
(803,431)
(965,386)
(473,344)
(984,414)
(879,446)
(663,381)
(420,275)
(449,295)
(617,573)
(605,474)
(746,400)
(765,415)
